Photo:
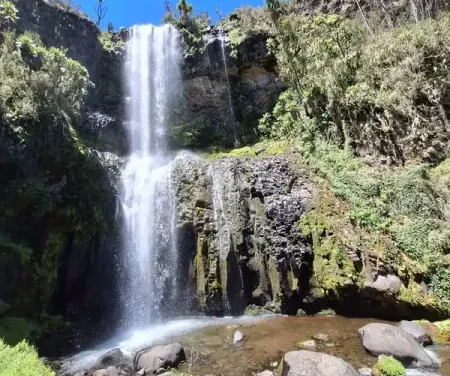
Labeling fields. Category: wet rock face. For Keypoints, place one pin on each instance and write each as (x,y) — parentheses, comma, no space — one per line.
(204,116)
(60,28)
(241,217)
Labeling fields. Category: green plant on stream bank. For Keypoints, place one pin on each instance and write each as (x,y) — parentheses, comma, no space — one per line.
(389,366)
(21,360)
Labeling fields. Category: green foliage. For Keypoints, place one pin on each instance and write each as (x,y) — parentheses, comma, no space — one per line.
(24,253)
(15,329)
(22,360)
(8,14)
(389,366)
(390,212)
(246,22)
(110,40)
(362,91)
(51,187)
(190,26)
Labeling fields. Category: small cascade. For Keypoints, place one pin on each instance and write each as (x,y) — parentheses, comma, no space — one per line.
(231,114)
(150,258)
(223,233)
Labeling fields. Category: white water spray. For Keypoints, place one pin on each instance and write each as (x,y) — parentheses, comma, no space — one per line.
(150,257)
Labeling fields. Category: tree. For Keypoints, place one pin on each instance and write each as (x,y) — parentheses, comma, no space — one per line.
(185,9)
(101,10)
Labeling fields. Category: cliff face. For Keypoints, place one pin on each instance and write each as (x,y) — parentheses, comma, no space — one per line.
(241,217)
(221,104)
(261,231)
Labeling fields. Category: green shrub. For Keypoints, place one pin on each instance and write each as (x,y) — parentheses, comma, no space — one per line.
(22,360)
(8,14)
(191,26)
(15,329)
(388,366)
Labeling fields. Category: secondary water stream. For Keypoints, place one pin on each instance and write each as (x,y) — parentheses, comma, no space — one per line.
(231,114)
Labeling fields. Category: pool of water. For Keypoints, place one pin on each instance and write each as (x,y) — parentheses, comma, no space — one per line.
(209,347)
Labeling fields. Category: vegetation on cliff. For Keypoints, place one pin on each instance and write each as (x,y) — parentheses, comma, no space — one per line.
(48,194)
(191,26)
(383,96)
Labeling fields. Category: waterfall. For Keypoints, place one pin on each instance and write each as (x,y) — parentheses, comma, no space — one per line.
(223,232)
(232,117)
(150,259)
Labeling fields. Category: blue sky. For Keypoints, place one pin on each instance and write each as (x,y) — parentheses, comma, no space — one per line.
(129,12)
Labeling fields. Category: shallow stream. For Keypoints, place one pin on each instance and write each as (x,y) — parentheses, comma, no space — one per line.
(209,347)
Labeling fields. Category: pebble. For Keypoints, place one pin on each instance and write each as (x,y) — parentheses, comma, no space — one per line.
(238,336)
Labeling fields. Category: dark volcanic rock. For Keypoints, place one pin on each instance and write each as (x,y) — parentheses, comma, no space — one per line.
(159,357)
(242,219)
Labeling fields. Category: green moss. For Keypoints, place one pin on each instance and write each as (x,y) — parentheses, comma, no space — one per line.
(259,149)
(301,313)
(15,329)
(254,310)
(22,360)
(24,253)
(439,331)
(388,366)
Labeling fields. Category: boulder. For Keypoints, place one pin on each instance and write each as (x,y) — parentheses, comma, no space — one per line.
(114,357)
(238,336)
(417,331)
(390,284)
(157,357)
(308,363)
(384,339)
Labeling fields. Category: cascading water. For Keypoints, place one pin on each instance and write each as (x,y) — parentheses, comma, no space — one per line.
(223,232)
(150,257)
(222,38)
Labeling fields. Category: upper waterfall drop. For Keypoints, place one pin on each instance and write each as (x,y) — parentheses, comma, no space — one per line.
(150,257)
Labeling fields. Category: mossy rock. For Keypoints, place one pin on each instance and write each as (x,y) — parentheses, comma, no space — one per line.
(388,366)
(254,310)
(439,331)
(301,313)
(327,312)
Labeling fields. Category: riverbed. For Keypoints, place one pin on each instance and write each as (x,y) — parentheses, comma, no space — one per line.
(209,347)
